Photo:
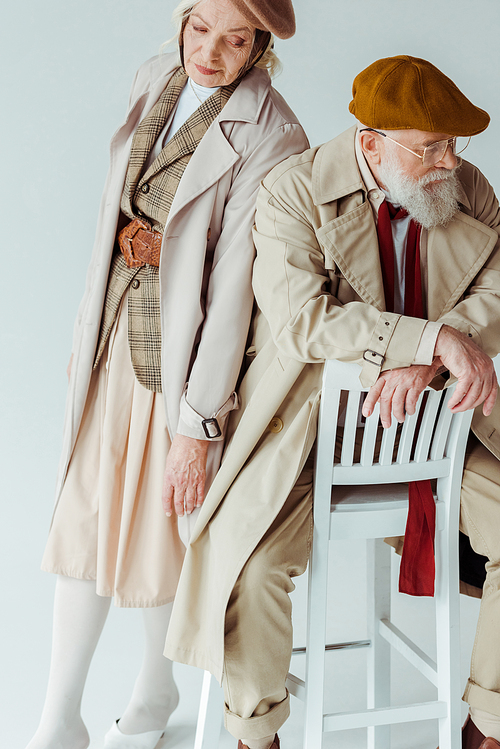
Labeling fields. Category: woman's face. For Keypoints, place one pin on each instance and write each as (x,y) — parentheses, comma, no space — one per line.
(217,43)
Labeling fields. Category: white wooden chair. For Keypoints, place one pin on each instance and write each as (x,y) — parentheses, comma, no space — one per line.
(347,505)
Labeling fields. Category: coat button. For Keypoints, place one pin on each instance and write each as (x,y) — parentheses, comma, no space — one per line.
(145,189)
(136,283)
(276,425)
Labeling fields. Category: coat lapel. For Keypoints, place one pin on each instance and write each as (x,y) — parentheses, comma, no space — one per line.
(455,255)
(216,156)
(188,137)
(350,243)
(148,131)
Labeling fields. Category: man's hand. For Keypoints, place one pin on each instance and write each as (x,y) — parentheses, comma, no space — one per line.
(185,473)
(477,382)
(398,391)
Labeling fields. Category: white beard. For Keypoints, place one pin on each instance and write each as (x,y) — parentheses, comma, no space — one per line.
(428,207)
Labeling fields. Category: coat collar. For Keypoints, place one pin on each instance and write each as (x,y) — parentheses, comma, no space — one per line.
(335,170)
(215,156)
(244,105)
(455,253)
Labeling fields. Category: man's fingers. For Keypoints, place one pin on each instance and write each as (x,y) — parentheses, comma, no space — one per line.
(386,408)
(372,397)
(412,397)
(468,395)
(490,400)
(399,404)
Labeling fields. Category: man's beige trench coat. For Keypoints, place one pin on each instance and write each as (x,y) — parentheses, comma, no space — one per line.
(211,216)
(318,281)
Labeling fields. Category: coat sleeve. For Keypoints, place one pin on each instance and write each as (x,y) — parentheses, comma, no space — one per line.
(296,295)
(210,391)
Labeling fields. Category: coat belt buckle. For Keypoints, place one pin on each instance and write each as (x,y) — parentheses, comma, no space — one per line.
(380,357)
(213,424)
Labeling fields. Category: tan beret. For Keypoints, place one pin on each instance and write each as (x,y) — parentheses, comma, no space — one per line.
(405,93)
(276,16)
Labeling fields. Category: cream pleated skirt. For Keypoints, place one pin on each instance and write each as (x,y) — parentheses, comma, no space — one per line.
(109,524)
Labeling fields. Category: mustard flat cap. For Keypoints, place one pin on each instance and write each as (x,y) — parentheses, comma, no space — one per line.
(405,93)
(276,16)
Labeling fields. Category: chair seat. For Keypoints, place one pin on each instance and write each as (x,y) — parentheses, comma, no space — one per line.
(371,496)
(374,511)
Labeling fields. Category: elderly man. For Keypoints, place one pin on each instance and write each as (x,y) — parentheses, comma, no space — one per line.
(379,247)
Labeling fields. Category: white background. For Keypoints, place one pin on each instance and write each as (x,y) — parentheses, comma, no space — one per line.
(65,72)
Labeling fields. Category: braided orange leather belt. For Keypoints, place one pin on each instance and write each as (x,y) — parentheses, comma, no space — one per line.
(139,244)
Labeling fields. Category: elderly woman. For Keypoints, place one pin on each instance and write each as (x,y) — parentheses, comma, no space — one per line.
(159,341)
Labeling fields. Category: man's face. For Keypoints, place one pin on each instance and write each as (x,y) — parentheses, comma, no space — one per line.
(429,194)
(417,140)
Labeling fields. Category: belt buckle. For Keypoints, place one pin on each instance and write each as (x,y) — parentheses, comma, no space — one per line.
(374,353)
(125,239)
(213,423)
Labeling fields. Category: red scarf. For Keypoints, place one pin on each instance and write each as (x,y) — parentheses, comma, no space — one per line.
(417,573)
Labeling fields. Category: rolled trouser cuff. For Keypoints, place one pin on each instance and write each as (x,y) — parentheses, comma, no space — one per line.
(259,726)
(483,699)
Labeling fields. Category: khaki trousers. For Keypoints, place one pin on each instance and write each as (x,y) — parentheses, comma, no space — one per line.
(258,634)
(258,630)
(480,520)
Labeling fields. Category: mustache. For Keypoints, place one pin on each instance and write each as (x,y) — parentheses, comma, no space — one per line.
(438,175)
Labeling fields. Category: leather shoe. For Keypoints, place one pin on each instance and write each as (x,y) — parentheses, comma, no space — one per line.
(115,739)
(276,744)
(472,738)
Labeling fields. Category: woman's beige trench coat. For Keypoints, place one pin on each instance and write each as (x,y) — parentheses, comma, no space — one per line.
(317,279)
(212,212)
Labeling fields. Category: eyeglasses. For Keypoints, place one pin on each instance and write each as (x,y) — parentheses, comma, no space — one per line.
(434,152)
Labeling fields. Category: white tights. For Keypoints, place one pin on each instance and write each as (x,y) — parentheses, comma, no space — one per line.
(79,616)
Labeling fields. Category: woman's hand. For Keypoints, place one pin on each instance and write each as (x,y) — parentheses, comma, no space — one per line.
(185,473)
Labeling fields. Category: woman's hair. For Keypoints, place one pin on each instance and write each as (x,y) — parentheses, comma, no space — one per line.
(268,60)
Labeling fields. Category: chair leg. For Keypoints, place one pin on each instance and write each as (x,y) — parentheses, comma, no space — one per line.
(315,646)
(209,715)
(378,558)
(448,637)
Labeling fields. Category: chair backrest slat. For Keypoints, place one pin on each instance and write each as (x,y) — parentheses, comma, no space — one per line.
(370,437)
(350,426)
(388,442)
(408,434)
(426,429)
(367,450)
(442,427)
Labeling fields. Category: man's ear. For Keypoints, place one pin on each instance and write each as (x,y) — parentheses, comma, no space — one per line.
(371,145)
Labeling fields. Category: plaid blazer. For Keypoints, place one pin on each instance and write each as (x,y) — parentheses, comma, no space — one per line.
(150,195)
